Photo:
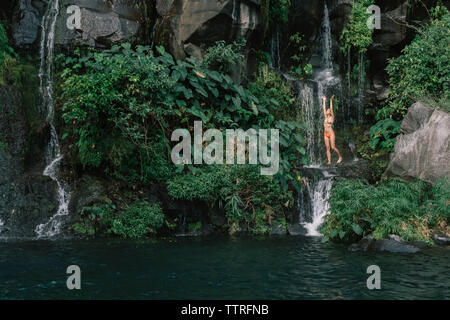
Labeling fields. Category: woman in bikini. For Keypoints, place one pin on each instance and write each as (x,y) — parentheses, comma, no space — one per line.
(329,135)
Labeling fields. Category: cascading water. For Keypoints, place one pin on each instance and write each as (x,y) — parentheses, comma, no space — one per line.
(319,194)
(309,116)
(275,55)
(327,45)
(53,154)
(361,87)
(310,94)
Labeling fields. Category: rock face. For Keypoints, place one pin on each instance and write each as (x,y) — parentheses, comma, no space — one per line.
(27,21)
(26,197)
(100,22)
(185,27)
(423,150)
(392,243)
(305,17)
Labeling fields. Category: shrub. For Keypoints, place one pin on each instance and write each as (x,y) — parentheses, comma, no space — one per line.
(95,220)
(356,34)
(423,69)
(120,107)
(383,135)
(7,54)
(249,200)
(408,209)
(138,220)
(222,56)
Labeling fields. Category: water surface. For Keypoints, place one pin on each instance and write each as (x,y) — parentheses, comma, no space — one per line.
(217,268)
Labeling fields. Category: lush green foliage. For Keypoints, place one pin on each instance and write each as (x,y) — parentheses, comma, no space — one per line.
(249,200)
(223,56)
(95,220)
(377,160)
(121,106)
(408,209)
(279,11)
(134,221)
(138,220)
(7,54)
(423,69)
(356,34)
(383,135)
(302,68)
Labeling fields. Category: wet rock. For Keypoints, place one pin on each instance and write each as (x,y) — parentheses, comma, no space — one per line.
(278,230)
(441,238)
(295,229)
(423,150)
(102,22)
(205,230)
(363,244)
(26,197)
(392,243)
(201,23)
(305,17)
(27,20)
(88,191)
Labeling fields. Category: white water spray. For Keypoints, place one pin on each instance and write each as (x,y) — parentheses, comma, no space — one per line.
(319,194)
(53,154)
(310,95)
(275,55)
(327,46)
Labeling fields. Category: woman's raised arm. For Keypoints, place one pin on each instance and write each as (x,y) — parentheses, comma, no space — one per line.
(331,106)
(324,99)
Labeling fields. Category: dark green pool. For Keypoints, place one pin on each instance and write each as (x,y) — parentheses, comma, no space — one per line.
(217,268)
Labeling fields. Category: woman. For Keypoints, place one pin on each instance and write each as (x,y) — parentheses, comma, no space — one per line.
(329,135)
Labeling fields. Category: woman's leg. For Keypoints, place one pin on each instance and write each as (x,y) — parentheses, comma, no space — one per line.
(333,146)
(327,144)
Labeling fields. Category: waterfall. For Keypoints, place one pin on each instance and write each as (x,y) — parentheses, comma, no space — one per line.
(361,87)
(53,154)
(310,94)
(309,116)
(275,56)
(327,46)
(319,194)
(313,202)
(152,43)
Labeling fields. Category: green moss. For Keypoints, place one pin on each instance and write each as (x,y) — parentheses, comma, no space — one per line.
(196,226)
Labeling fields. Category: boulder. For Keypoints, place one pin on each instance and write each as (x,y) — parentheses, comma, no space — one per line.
(441,238)
(423,150)
(184,27)
(392,243)
(295,229)
(278,230)
(27,20)
(102,22)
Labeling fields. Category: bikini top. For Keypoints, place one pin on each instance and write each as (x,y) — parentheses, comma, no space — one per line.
(329,120)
